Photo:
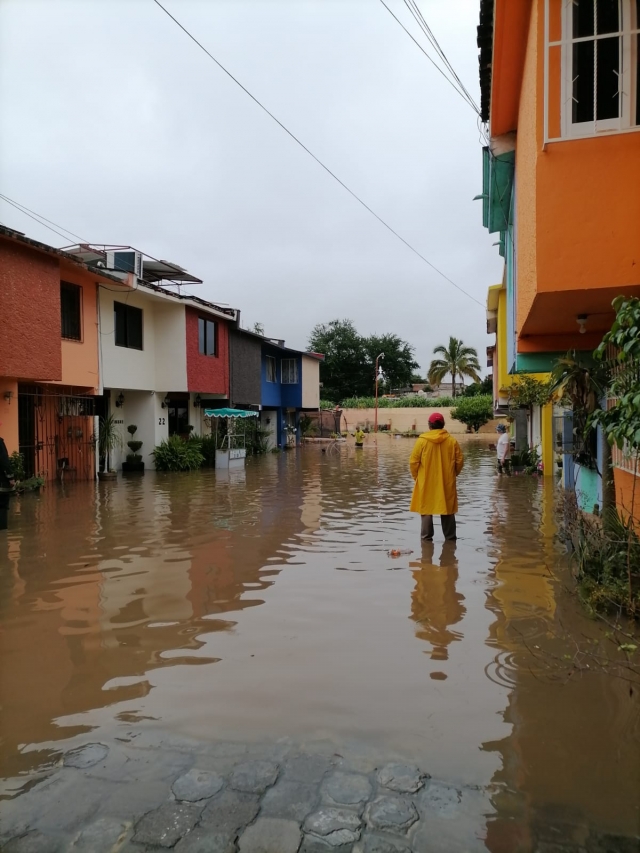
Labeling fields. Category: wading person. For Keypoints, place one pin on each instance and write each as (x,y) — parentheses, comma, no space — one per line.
(503,450)
(359,437)
(436,461)
(6,484)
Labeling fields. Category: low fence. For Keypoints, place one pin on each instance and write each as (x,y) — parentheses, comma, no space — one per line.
(325,424)
(407,420)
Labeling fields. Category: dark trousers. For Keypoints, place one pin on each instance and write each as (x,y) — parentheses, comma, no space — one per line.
(4,511)
(448,526)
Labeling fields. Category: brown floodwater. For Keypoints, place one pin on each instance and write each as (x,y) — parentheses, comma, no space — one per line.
(264,604)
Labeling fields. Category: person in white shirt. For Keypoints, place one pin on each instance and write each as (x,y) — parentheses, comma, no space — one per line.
(504,450)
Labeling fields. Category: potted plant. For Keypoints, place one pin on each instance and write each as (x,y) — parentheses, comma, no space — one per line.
(134,461)
(109,440)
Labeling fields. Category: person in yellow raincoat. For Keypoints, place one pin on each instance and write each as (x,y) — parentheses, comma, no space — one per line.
(436,461)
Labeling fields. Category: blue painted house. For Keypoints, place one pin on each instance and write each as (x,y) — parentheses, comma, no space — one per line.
(290,385)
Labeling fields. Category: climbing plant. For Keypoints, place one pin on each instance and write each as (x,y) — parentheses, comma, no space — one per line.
(620,421)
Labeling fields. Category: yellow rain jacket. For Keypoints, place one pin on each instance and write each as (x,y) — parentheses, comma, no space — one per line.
(436,461)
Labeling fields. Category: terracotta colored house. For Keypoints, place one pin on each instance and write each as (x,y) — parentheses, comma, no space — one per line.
(49,363)
(560,83)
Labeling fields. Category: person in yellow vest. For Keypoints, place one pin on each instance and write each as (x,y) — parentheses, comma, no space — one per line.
(359,437)
(436,461)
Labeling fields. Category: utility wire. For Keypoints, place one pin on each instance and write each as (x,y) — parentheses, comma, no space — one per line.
(41,220)
(417,14)
(435,64)
(311,154)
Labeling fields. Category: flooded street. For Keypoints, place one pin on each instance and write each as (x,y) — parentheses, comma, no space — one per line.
(179,613)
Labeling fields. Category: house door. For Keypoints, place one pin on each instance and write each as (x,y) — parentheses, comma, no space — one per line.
(178,420)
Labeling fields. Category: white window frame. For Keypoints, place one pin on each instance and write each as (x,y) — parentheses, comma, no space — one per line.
(626,122)
(270,360)
(289,369)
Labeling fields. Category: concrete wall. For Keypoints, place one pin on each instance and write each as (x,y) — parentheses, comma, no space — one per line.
(270,415)
(170,349)
(80,358)
(404,420)
(161,365)
(143,409)
(9,413)
(310,383)
(245,354)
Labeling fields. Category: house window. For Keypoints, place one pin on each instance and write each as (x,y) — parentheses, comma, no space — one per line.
(128,325)
(289,371)
(207,337)
(272,371)
(70,310)
(600,66)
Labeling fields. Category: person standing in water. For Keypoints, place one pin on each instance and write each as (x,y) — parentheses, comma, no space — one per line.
(359,437)
(436,461)
(6,484)
(504,450)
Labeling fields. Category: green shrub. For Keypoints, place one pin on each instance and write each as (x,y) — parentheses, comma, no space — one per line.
(208,450)
(31,484)
(414,401)
(474,411)
(17,465)
(327,404)
(175,454)
(607,554)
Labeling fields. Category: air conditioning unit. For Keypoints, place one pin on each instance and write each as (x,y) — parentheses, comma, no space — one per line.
(125,260)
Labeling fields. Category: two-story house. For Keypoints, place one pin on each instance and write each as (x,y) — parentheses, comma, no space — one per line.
(164,355)
(49,365)
(275,380)
(560,82)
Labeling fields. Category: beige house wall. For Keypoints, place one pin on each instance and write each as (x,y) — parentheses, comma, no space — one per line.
(310,383)
(404,420)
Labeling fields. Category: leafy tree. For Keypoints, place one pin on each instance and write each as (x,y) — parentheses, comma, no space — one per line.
(398,363)
(528,392)
(349,365)
(476,388)
(345,371)
(474,411)
(257,329)
(456,360)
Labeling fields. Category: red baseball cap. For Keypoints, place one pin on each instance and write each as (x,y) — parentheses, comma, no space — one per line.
(436,418)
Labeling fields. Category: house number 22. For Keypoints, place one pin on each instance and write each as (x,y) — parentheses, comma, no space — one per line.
(160,421)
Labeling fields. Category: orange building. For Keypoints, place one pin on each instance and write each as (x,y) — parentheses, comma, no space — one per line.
(49,356)
(560,83)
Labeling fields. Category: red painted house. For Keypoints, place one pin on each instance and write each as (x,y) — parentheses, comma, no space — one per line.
(207,333)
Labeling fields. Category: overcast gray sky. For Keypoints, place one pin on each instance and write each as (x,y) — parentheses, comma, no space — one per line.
(115,125)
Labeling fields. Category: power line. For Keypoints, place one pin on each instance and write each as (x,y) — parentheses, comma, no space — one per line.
(41,220)
(435,64)
(311,154)
(419,17)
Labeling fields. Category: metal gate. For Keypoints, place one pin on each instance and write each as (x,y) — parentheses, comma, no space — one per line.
(56,432)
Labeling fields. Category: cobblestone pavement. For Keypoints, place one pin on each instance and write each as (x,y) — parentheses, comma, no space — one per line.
(238,798)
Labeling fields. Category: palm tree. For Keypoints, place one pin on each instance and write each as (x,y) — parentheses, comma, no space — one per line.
(458,360)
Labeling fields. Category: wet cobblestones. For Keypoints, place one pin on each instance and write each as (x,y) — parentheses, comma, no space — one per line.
(251,799)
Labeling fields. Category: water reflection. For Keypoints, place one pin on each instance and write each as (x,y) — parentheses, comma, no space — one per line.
(263,605)
(435,603)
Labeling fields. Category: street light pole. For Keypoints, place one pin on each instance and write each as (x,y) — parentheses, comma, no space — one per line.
(375,427)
